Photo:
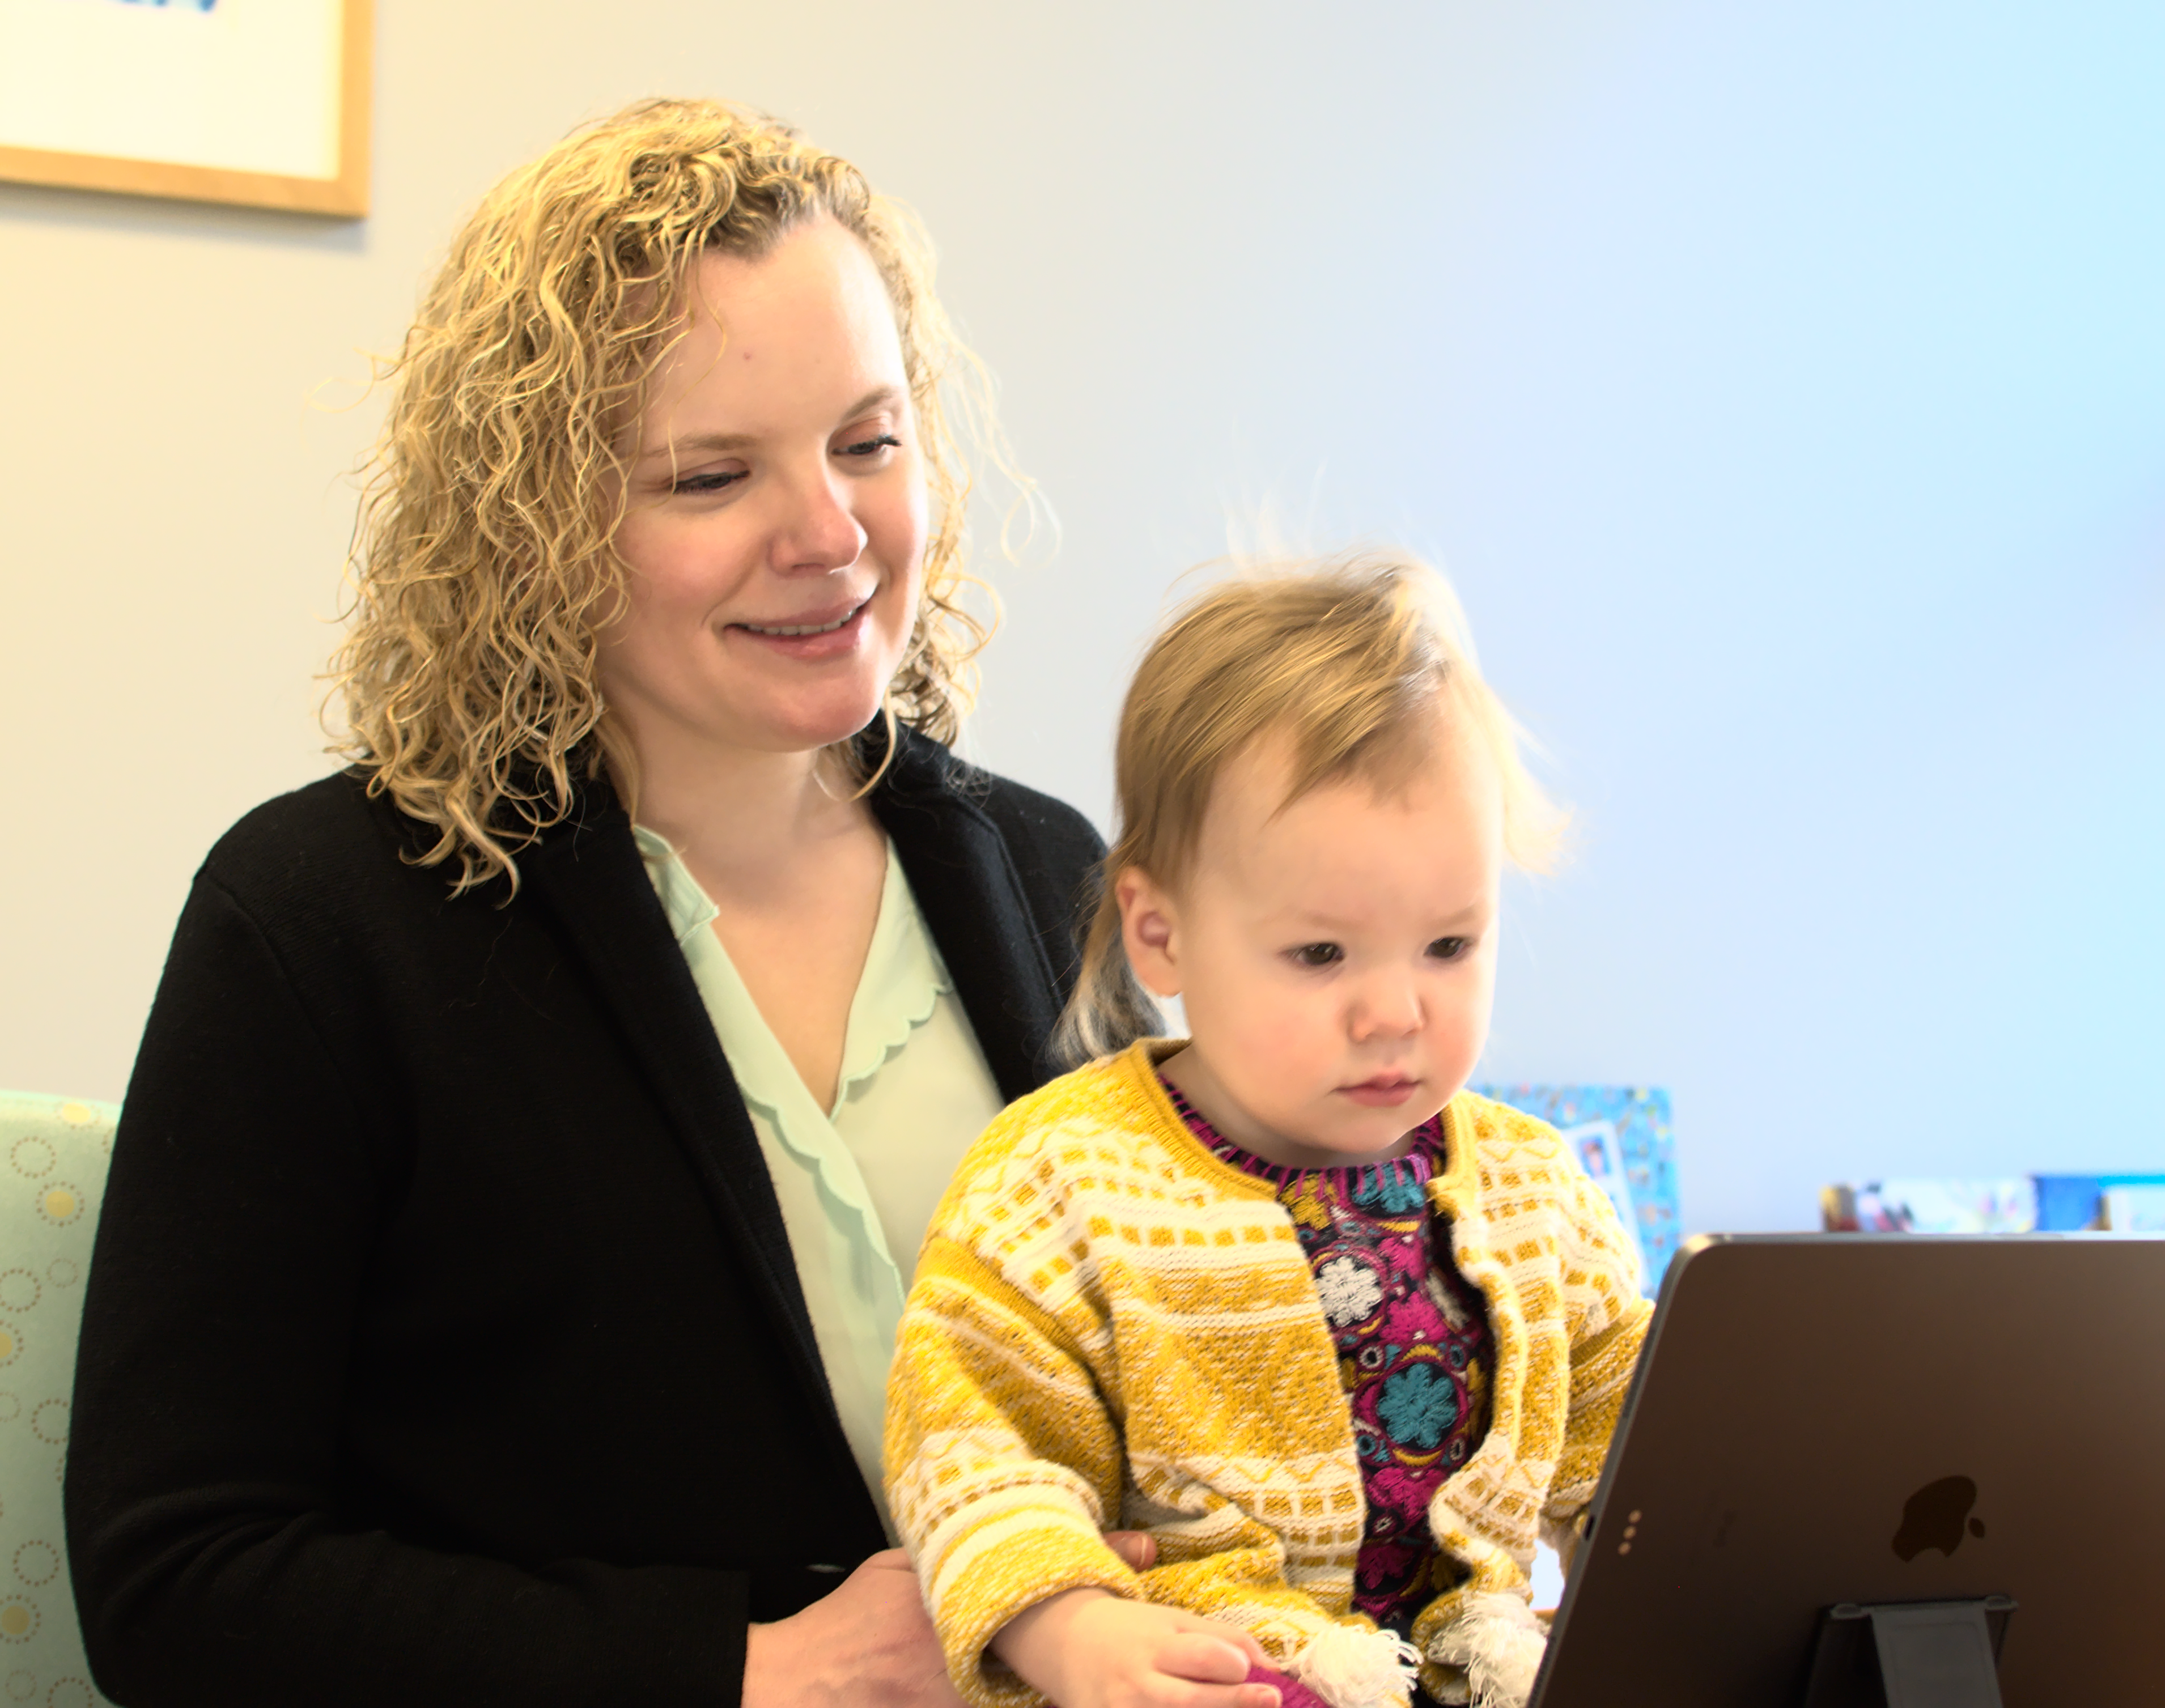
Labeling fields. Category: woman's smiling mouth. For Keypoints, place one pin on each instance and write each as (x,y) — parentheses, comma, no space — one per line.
(789,630)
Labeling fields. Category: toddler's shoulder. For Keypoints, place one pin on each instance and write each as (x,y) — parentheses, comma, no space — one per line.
(1528,1183)
(1519,1160)
(1504,1137)
(1086,1133)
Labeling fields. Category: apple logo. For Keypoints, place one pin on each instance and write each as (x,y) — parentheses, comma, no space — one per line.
(1933,1518)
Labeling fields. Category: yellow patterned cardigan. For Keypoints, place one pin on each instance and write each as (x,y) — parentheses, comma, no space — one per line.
(1111,1327)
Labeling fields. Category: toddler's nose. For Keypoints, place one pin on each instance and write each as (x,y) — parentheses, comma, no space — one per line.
(1387,1007)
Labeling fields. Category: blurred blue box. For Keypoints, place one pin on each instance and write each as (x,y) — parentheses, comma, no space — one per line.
(2070,1202)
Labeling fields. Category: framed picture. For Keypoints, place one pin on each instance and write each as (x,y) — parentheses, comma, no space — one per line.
(263,102)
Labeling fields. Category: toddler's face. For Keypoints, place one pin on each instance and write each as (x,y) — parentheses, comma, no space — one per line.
(1336,957)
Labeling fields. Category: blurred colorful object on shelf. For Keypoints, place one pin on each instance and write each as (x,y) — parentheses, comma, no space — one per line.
(2014,1204)
(2135,1209)
(1926,1206)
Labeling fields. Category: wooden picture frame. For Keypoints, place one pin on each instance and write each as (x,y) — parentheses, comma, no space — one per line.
(343,193)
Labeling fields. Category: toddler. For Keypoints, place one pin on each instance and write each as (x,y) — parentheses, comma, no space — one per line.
(1345,1339)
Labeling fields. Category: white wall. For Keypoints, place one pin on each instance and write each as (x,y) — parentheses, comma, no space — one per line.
(1784,386)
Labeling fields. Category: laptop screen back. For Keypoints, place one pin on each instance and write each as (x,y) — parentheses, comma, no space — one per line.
(1858,1419)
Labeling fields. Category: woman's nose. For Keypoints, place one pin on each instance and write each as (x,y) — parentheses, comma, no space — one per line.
(817,530)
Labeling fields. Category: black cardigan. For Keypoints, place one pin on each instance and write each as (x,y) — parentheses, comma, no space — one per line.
(442,1342)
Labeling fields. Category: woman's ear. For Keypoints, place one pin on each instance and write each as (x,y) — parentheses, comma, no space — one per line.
(1149,931)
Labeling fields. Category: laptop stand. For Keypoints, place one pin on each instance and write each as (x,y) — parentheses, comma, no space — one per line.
(1910,1654)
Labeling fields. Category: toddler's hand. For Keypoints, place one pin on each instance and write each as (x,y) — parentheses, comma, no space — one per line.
(1089,1648)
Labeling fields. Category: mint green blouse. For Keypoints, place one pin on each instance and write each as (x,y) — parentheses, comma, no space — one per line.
(857,1183)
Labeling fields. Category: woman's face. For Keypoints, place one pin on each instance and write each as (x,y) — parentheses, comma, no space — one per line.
(774,517)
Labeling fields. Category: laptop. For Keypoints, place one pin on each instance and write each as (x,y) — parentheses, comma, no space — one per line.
(1851,1421)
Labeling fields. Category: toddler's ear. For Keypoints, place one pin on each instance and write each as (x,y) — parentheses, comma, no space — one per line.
(1149,931)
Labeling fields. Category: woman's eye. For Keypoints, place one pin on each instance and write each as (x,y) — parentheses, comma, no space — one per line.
(872,446)
(1318,955)
(1449,948)
(718,481)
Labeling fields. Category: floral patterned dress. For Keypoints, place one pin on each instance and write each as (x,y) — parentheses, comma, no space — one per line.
(1413,1347)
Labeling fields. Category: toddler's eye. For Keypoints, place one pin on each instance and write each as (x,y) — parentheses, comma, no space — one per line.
(1449,948)
(1317,955)
(872,446)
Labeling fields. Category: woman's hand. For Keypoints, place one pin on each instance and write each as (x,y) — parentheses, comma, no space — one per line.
(1089,1648)
(870,1644)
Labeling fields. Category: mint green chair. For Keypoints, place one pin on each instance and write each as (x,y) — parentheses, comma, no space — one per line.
(53,1157)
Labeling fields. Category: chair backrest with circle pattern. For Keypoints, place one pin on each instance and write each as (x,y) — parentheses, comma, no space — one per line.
(53,1157)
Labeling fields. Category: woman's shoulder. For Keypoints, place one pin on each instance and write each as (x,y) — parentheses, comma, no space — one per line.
(1032,818)
(325,827)
(1039,829)
(334,849)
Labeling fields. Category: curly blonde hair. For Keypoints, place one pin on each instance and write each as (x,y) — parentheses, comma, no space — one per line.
(484,570)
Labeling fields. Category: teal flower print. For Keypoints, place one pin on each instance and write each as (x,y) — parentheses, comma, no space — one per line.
(1388,1189)
(1418,1406)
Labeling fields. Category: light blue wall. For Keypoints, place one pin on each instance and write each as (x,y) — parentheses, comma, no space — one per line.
(1785,387)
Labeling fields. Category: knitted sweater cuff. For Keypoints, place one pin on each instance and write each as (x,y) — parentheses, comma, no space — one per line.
(1006,1567)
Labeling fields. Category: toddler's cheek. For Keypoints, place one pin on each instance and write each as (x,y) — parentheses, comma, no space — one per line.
(1305,1036)
(1288,1062)
(1458,1046)
(1287,1083)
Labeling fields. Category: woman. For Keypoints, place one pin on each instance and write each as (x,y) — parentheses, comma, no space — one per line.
(499,1265)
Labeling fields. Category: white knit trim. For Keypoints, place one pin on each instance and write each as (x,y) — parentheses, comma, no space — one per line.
(1350,1668)
(1497,1644)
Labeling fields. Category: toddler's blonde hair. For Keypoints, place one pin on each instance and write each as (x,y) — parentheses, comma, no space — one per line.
(1348,658)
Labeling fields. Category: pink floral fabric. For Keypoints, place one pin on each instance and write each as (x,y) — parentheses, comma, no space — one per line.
(1413,1347)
